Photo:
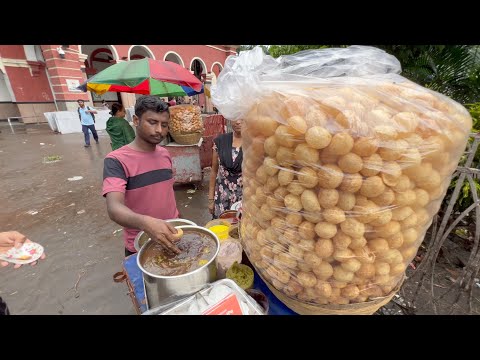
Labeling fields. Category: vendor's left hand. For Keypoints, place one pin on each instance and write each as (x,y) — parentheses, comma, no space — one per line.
(10,239)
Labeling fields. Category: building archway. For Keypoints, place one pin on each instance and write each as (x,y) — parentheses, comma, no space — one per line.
(139,52)
(199,70)
(174,57)
(216,68)
(198,67)
(100,57)
(87,49)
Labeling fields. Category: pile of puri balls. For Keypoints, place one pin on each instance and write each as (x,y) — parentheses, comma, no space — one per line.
(185,119)
(342,182)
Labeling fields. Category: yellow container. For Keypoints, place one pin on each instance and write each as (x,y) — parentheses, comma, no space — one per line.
(220,228)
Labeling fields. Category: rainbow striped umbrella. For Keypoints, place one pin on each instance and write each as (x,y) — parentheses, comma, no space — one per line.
(145,76)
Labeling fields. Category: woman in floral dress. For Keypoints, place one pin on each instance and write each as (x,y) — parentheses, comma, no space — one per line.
(226,177)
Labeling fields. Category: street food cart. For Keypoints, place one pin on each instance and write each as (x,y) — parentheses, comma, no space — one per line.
(134,278)
(186,163)
(152,296)
(189,160)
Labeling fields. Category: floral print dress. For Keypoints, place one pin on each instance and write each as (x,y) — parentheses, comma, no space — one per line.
(228,187)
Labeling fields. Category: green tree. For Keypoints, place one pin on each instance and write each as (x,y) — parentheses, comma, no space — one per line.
(452,70)
(279,50)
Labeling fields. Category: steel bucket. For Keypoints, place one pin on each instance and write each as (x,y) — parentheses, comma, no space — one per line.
(161,290)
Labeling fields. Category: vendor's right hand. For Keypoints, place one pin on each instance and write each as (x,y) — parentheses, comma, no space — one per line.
(162,232)
(211,206)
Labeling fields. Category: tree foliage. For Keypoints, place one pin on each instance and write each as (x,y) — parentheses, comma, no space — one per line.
(453,70)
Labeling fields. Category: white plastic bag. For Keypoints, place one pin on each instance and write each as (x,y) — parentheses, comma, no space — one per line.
(229,253)
(345,164)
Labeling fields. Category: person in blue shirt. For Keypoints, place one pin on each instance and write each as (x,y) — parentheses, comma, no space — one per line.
(87,119)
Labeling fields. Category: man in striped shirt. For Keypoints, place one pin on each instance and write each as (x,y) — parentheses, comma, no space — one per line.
(138,179)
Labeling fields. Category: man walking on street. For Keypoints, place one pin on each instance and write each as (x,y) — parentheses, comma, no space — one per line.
(87,119)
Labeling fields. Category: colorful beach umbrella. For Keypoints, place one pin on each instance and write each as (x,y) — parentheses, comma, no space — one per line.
(190,92)
(145,76)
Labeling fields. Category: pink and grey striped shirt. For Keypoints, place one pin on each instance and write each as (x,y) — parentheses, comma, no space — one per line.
(146,179)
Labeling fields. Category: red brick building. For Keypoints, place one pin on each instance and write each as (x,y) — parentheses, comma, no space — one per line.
(38,78)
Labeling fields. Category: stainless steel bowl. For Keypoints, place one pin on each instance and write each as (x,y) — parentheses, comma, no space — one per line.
(142,237)
(161,290)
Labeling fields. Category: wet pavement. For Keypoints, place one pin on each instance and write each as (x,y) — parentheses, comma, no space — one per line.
(69,218)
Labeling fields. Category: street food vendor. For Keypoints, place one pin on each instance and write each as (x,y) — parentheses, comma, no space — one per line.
(138,179)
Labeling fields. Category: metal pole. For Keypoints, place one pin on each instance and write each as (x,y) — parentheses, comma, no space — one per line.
(51,88)
(11,127)
(35,113)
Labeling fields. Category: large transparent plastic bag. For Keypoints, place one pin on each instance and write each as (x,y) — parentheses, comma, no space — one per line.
(345,165)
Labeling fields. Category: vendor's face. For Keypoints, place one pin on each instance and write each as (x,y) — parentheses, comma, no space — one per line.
(152,127)
(237,126)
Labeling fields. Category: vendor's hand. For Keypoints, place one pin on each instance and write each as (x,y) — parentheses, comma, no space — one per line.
(12,239)
(162,232)
(211,206)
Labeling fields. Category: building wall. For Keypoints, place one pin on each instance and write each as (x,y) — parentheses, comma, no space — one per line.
(28,83)
(8,109)
(208,53)
(63,71)
(27,88)
(36,85)
(12,51)
(33,112)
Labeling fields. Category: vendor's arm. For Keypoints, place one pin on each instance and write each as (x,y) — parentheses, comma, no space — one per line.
(160,230)
(114,187)
(213,178)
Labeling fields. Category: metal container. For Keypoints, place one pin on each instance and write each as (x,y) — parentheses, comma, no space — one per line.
(161,290)
(142,238)
(229,215)
(180,307)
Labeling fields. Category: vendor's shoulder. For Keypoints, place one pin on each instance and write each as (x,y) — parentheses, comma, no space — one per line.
(164,154)
(162,151)
(119,153)
(223,136)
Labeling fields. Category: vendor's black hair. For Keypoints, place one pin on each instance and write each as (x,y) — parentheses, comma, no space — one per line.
(116,107)
(149,102)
